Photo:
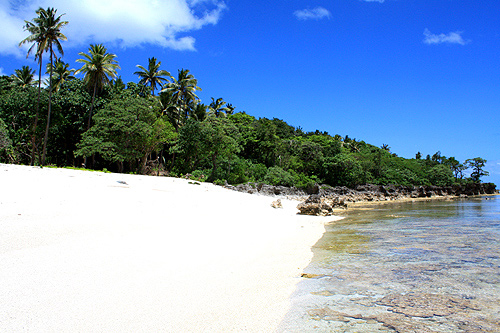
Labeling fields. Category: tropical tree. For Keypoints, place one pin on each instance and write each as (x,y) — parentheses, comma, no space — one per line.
(477,164)
(199,111)
(5,141)
(45,32)
(99,68)
(127,129)
(218,108)
(456,167)
(23,77)
(51,25)
(61,73)
(182,93)
(152,75)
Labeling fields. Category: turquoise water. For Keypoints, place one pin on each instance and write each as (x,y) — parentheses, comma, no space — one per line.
(414,267)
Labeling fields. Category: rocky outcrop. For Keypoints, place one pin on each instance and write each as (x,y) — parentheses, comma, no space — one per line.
(259,188)
(323,199)
(315,205)
(330,198)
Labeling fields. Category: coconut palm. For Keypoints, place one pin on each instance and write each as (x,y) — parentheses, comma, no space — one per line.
(199,111)
(45,33)
(218,108)
(230,109)
(23,77)
(183,91)
(99,68)
(61,73)
(35,37)
(152,75)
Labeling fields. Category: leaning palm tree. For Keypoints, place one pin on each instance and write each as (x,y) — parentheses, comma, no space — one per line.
(152,75)
(99,68)
(45,33)
(183,91)
(23,77)
(61,73)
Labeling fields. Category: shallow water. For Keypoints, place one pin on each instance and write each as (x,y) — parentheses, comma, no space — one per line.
(414,267)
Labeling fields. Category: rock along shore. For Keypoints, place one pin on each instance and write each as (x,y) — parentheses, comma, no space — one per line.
(323,199)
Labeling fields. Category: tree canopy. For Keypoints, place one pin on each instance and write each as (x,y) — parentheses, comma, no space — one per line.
(126,128)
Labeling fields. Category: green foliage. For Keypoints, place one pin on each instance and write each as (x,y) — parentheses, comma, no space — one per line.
(18,111)
(477,164)
(126,129)
(152,75)
(441,175)
(343,170)
(220,182)
(198,175)
(5,143)
(277,176)
(179,134)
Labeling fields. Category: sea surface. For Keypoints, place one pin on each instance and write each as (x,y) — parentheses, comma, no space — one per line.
(407,267)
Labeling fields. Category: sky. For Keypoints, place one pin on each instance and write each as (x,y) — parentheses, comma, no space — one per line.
(417,75)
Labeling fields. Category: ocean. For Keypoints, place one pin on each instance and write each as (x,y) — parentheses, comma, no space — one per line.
(429,266)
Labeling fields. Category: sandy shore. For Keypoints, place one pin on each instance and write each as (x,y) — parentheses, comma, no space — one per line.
(94,252)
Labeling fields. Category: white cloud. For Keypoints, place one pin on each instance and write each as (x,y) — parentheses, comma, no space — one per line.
(124,22)
(381,1)
(312,14)
(11,32)
(451,38)
(2,71)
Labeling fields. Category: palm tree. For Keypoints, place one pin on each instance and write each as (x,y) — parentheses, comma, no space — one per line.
(218,108)
(45,32)
(23,77)
(183,91)
(200,111)
(152,75)
(99,68)
(230,109)
(385,147)
(62,73)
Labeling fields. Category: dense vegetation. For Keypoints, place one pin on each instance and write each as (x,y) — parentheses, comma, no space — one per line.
(101,123)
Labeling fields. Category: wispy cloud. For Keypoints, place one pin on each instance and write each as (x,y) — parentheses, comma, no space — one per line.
(381,1)
(2,73)
(450,38)
(312,14)
(123,22)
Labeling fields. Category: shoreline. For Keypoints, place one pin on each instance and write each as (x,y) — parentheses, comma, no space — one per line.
(367,204)
(91,251)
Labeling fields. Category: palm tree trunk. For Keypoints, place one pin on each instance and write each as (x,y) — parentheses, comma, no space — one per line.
(49,111)
(33,137)
(88,123)
(92,106)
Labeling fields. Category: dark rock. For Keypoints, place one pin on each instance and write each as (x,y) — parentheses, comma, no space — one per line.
(323,198)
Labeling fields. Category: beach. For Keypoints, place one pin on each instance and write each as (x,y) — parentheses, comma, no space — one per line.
(102,252)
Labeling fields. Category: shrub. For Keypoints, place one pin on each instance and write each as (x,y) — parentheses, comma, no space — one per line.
(220,182)
(277,176)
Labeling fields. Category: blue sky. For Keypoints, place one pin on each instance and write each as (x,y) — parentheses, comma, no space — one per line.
(418,75)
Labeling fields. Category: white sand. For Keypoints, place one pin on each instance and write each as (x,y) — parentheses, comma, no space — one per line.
(81,252)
